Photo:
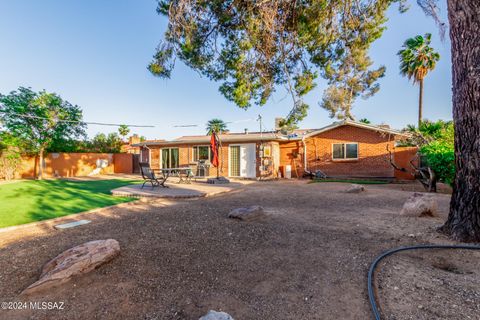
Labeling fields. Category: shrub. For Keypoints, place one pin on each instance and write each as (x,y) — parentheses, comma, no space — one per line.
(9,163)
(9,156)
(437,148)
(440,156)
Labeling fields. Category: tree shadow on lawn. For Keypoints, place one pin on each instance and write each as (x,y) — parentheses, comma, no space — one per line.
(56,198)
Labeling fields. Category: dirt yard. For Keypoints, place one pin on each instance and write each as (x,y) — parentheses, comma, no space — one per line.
(308,260)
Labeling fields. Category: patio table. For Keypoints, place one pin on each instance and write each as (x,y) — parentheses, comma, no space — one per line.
(184,174)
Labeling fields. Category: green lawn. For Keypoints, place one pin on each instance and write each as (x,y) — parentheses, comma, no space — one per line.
(29,201)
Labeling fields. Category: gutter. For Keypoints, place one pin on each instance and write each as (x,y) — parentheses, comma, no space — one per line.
(204,141)
(149,153)
(305,168)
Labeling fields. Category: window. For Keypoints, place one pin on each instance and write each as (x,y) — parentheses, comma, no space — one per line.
(342,151)
(170,158)
(201,153)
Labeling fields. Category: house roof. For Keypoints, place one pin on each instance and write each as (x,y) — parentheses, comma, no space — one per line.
(298,134)
(229,137)
(383,129)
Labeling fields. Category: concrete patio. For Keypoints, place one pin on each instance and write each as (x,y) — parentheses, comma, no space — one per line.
(177,190)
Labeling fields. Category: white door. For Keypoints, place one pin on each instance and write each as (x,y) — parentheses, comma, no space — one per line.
(248,160)
(243,160)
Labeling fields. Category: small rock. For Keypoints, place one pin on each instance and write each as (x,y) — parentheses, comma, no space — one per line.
(219,180)
(355,188)
(74,261)
(248,213)
(216,315)
(411,235)
(419,205)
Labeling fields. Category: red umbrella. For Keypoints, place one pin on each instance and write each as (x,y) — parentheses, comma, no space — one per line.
(214,146)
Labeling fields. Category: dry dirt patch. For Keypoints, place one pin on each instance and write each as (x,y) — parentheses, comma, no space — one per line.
(308,260)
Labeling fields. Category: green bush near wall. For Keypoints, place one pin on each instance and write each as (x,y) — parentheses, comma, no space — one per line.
(440,157)
(436,141)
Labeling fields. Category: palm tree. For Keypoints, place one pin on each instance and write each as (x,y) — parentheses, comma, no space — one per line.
(365,120)
(217,126)
(123,130)
(417,58)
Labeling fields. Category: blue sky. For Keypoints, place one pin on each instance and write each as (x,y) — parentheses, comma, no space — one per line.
(94,54)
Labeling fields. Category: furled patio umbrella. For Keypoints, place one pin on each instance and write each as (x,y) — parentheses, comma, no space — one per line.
(214,144)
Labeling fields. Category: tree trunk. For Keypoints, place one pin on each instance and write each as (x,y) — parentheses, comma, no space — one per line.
(40,164)
(463,222)
(420,103)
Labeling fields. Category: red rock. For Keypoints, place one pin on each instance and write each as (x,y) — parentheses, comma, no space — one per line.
(75,261)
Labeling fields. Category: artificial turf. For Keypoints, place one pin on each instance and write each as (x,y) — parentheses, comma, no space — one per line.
(28,201)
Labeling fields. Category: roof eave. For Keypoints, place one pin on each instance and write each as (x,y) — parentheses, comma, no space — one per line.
(355,124)
(202,141)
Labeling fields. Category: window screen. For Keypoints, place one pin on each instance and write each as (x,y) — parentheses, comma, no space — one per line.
(235,161)
(201,153)
(345,151)
(338,151)
(351,151)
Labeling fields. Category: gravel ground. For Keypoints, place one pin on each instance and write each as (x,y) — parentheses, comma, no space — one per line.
(307,260)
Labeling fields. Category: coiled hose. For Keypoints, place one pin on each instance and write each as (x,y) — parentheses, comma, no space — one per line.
(371,294)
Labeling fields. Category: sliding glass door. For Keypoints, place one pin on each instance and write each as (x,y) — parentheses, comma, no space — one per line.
(170,158)
(235,161)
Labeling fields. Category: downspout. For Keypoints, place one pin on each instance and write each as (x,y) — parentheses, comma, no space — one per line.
(149,154)
(305,168)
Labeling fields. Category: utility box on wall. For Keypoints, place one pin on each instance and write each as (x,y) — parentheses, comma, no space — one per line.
(288,171)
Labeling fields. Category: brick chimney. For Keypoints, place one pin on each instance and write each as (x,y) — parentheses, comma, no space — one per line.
(134,139)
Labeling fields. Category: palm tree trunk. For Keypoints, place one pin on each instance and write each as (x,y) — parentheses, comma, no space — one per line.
(420,103)
(463,221)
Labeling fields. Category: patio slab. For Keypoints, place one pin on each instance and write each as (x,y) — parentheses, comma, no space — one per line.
(175,190)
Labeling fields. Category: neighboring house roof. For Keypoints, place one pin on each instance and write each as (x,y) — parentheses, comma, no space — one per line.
(298,134)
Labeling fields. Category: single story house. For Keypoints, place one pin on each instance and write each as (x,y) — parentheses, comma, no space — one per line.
(342,149)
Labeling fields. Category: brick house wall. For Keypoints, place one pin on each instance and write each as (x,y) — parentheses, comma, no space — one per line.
(373,157)
(185,152)
(185,155)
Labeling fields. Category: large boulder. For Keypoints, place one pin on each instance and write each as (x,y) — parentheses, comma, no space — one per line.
(247,213)
(355,188)
(75,261)
(216,315)
(420,205)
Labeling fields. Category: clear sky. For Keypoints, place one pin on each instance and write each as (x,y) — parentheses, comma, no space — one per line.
(94,54)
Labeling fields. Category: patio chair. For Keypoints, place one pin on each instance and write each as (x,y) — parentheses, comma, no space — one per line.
(149,176)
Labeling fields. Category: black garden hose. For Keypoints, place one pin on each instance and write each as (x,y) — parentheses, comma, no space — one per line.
(371,294)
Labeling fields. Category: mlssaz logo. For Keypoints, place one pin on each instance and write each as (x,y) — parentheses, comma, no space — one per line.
(47,305)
